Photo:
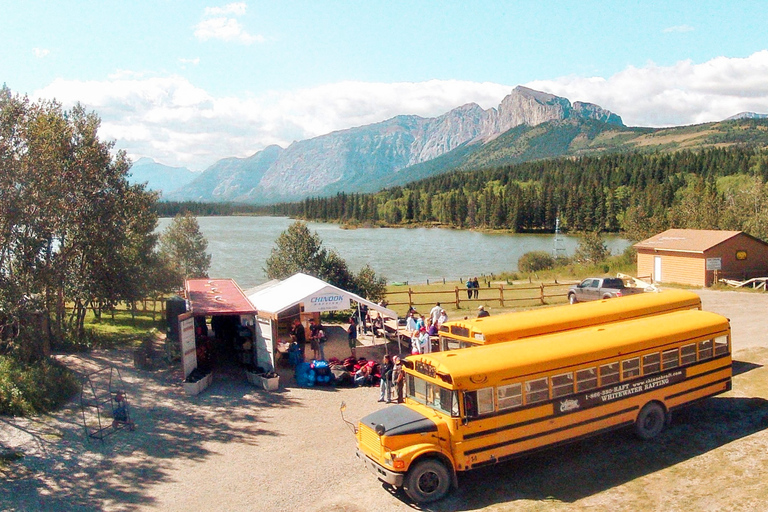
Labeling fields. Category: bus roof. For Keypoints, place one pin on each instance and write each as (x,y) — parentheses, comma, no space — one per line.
(522,324)
(562,350)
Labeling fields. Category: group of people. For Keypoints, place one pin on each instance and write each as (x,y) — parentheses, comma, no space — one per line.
(473,288)
(317,338)
(422,328)
(392,377)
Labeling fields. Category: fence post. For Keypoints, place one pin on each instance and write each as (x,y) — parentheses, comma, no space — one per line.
(456,289)
(410,298)
(542,293)
(501,294)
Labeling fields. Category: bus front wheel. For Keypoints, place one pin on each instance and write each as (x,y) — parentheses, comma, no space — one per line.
(650,421)
(428,480)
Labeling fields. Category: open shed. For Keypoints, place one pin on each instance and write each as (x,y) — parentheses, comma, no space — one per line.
(220,317)
(701,256)
(299,296)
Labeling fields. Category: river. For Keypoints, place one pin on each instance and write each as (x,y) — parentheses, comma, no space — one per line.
(240,246)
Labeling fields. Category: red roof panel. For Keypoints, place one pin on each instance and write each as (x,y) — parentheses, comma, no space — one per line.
(217,297)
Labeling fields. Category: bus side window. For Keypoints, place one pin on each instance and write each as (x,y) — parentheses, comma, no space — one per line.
(721,345)
(688,354)
(669,359)
(485,403)
(609,374)
(509,396)
(536,390)
(630,368)
(705,349)
(586,379)
(562,385)
(651,363)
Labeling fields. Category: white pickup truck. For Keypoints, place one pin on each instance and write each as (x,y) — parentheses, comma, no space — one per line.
(596,288)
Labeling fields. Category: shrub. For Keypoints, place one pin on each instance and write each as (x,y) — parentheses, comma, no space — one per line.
(535,261)
(34,388)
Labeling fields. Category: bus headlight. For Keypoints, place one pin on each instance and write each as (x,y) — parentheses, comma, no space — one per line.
(391,460)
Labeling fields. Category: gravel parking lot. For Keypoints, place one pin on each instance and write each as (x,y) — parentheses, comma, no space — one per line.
(236,447)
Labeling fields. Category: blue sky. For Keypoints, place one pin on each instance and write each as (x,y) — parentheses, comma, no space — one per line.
(188,82)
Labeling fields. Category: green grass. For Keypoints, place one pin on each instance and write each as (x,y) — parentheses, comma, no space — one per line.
(27,389)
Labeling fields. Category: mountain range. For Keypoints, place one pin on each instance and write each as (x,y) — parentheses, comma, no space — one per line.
(527,125)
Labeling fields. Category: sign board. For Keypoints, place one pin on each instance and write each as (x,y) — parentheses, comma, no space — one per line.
(714,263)
(265,343)
(328,301)
(187,340)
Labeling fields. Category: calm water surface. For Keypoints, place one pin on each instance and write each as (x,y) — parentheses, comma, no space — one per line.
(241,245)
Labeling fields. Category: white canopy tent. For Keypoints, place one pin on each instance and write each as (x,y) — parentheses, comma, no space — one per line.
(311,294)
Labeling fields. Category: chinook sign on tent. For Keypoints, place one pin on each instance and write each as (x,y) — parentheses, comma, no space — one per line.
(327,302)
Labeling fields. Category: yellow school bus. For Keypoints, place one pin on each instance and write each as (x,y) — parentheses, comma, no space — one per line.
(523,324)
(470,408)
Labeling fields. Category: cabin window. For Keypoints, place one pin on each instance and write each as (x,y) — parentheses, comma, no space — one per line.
(609,374)
(669,359)
(721,345)
(562,384)
(688,354)
(536,390)
(509,396)
(651,363)
(586,379)
(630,368)
(705,349)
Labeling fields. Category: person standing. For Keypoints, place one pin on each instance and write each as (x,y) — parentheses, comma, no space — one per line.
(470,285)
(442,319)
(398,378)
(300,337)
(434,313)
(476,287)
(321,339)
(385,385)
(313,339)
(352,336)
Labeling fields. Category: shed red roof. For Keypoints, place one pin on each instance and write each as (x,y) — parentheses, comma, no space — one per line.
(217,297)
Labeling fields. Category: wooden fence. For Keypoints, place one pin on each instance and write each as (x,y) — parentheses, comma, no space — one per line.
(491,293)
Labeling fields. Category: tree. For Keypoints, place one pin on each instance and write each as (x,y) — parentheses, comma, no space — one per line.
(72,229)
(535,261)
(183,248)
(296,250)
(369,285)
(591,248)
(299,250)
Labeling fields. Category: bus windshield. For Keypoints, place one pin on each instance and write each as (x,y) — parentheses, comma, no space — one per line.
(432,395)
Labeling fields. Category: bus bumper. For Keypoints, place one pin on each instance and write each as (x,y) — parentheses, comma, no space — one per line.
(382,473)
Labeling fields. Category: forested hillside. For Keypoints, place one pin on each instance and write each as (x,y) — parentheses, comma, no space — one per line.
(639,194)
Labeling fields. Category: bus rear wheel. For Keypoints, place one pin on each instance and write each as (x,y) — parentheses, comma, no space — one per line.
(428,480)
(650,421)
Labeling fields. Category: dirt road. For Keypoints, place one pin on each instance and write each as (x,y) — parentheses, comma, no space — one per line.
(239,448)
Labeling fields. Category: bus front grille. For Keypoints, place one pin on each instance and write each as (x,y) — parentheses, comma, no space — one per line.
(370,442)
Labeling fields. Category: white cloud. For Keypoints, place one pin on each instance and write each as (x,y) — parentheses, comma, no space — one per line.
(218,25)
(177,123)
(235,8)
(684,93)
(40,53)
(678,29)
(194,61)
